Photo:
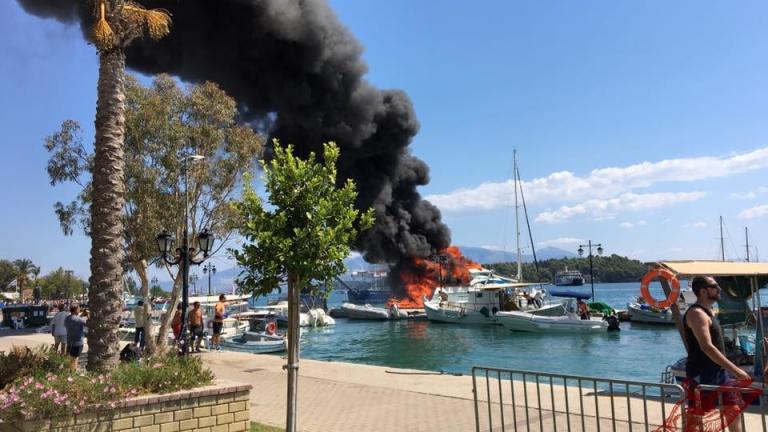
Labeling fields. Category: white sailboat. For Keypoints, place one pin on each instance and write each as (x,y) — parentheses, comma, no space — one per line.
(488,293)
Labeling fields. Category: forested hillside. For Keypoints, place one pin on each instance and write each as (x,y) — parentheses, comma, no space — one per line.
(612,268)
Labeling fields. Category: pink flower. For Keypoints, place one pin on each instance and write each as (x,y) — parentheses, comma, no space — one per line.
(69,379)
(157,365)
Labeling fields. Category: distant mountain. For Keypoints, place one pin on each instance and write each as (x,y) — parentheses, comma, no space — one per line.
(482,256)
(490,256)
(224,280)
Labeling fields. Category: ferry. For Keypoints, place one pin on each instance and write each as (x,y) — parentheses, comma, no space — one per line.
(569,278)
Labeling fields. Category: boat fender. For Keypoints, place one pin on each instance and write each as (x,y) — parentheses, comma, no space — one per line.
(270,328)
(673,294)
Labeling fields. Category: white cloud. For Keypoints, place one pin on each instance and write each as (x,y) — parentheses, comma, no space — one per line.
(630,225)
(601,183)
(695,225)
(607,208)
(762,190)
(754,212)
(562,241)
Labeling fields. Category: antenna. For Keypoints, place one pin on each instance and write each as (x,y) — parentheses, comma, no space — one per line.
(517,221)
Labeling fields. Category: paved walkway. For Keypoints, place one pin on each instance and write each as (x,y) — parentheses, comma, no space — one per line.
(343,397)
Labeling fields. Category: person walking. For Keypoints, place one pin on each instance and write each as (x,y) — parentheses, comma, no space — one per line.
(141,318)
(196,325)
(176,323)
(76,329)
(707,363)
(218,321)
(59,330)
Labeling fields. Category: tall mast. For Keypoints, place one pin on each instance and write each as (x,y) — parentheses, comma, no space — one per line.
(746,234)
(517,221)
(722,243)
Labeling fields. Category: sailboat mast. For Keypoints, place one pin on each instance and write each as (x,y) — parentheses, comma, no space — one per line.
(746,234)
(722,243)
(517,220)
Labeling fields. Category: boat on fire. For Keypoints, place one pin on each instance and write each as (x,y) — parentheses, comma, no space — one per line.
(486,296)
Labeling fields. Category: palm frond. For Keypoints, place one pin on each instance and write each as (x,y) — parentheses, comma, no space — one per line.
(156,21)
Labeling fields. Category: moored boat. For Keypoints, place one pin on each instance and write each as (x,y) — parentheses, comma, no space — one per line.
(365,312)
(253,342)
(569,278)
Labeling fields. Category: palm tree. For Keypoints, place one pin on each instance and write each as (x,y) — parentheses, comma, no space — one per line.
(25,271)
(118,23)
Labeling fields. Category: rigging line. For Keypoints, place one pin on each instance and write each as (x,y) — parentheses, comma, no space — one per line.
(527,221)
(730,241)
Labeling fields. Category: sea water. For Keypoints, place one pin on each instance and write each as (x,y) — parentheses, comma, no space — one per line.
(637,352)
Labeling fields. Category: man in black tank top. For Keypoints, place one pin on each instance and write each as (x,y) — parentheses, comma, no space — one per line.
(707,363)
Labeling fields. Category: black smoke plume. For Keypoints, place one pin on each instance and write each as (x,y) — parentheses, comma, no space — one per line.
(297,74)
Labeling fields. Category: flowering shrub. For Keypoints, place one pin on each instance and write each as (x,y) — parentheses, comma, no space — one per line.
(22,360)
(45,393)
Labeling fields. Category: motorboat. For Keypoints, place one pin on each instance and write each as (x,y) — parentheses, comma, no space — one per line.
(640,311)
(570,323)
(480,303)
(567,322)
(255,342)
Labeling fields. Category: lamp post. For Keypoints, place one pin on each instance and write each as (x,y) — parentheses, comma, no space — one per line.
(193,278)
(210,269)
(599,247)
(185,255)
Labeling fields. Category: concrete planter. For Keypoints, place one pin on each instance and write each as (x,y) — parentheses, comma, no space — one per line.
(221,407)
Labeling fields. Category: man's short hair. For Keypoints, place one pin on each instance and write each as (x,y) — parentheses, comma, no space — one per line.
(141,303)
(73,309)
(699,282)
(197,303)
(222,297)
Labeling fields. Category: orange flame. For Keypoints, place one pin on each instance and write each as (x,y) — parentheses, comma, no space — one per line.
(422,276)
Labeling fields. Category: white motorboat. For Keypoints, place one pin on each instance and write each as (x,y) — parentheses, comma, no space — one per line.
(481,303)
(257,343)
(571,323)
(641,312)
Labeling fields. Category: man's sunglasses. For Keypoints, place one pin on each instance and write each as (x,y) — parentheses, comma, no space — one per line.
(713,286)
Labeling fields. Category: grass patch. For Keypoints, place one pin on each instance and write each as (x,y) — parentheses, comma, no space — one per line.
(258,427)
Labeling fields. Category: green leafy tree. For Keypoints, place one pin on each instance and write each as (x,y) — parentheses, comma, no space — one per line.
(7,274)
(163,122)
(303,236)
(61,284)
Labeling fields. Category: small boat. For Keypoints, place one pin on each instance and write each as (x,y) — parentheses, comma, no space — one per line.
(569,278)
(254,342)
(568,322)
(641,312)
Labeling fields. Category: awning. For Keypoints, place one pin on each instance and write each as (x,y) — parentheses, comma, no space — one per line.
(684,269)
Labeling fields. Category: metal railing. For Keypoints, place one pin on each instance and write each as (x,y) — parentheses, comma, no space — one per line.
(755,401)
(515,400)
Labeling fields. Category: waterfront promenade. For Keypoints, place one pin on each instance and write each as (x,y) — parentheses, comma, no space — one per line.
(344,397)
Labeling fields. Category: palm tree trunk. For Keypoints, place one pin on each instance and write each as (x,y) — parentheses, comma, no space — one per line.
(105,295)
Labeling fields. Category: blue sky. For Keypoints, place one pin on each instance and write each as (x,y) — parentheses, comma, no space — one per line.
(637,124)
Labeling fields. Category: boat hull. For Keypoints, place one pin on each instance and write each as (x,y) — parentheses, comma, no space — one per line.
(638,314)
(366,312)
(256,343)
(523,321)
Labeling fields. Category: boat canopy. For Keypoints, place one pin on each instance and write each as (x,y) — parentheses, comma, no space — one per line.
(715,268)
(571,294)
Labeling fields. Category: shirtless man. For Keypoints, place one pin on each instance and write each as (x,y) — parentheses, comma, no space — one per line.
(218,320)
(196,325)
(707,363)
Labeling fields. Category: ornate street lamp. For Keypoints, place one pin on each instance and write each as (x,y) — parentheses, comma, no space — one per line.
(210,269)
(589,245)
(186,254)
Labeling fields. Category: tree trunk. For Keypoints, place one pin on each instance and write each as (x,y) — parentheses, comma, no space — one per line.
(105,296)
(293,352)
(165,320)
(141,270)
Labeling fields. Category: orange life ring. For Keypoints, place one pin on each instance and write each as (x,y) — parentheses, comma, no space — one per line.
(664,274)
(270,328)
